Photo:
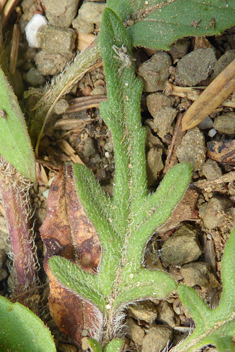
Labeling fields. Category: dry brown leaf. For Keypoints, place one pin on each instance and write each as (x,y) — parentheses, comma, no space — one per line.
(219,89)
(68,232)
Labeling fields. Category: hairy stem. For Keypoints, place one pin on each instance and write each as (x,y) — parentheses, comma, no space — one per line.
(14,193)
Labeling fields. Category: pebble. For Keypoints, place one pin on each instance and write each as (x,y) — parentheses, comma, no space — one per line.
(145,311)
(225,123)
(156,101)
(166,313)
(196,66)
(154,164)
(51,63)
(163,120)
(157,338)
(198,274)
(211,170)
(56,40)
(134,332)
(89,147)
(206,123)
(34,78)
(212,133)
(192,149)
(212,213)
(223,62)
(61,106)
(182,247)
(155,71)
(179,48)
(89,13)
(61,14)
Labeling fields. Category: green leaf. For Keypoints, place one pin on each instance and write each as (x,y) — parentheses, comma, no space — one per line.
(77,280)
(172,20)
(94,345)
(15,145)
(115,345)
(21,330)
(216,327)
(144,284)
(124,222)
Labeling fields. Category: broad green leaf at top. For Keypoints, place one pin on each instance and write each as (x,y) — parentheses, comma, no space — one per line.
(158,23)
(15,145)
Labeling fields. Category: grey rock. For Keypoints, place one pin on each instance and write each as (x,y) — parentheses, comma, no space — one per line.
(163,120)
(206,123)
(61,14)
(212,213)
(51,63)
(134,332)
(166,313)
(198,274)
(156,339)
(155,71)
(156,101)
(182,247)
(56,40)
(192,149)
(211,170)
(179,48)
(223,62)
(89,14)
(225,123)
(61,106)
(196,66)
(154,164)
(143,311)
(34,78)
(89,147)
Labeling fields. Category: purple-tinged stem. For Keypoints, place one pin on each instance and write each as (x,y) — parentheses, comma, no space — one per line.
(14,192)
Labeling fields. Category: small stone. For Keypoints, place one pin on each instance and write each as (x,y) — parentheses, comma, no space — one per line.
(61,106)
(154,164)
(89,14)
(98,90)
(163,120)
(192,149)
(51,63)
(157,338)
(3,274)
(223,62)
(61,14)
(34,78)
(212,213)
(156,101)
(3,257)
(134,332)
(182,247)
(56,40)
(179,48)
(196,66)
(155,71)
(143,311)
(166,313)
(89,147)
(211,170)
(196,274)
(225,123)
(205,124)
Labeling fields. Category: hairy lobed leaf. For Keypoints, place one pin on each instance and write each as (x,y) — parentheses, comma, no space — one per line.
(213,326)
(124,222)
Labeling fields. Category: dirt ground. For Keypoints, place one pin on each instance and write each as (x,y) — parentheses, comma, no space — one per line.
(190,245)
